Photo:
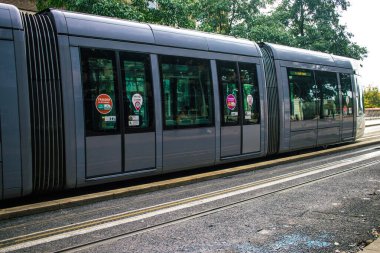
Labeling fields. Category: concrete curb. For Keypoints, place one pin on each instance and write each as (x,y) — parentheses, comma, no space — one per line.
(35,208)
(373,247)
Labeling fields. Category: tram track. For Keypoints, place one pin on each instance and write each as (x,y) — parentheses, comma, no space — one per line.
(75,216)
(204,213)
(56,233)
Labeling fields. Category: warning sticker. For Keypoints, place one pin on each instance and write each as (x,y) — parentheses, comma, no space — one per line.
(103,103)
(231,102)
(137,101)
(250,100)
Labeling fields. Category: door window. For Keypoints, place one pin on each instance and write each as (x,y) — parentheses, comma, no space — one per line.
(302,90)
(347,95)
(100,92)
(137,91)
(328,94)
(251,95)
(230,99)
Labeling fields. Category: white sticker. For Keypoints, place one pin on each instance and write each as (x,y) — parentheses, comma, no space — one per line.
(109,118)
(137,101)
(250,100)
(234,113)
(347,100)
(248,113)
(349,110)
(134,118)
(133,123)
(247,117)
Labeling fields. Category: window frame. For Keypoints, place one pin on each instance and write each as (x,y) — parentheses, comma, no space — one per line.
(211,104)
(241,121)
(151,109)
(119,91)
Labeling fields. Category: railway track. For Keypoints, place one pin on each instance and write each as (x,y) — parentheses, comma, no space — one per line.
(334,169)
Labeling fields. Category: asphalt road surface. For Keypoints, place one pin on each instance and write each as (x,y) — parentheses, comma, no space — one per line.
(325,204)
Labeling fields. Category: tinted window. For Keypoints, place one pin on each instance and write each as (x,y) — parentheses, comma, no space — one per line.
(347,95)
(137,91)
(251,95)
(230,99)
(100,92)
(187,92)
(328,94)
(302,90)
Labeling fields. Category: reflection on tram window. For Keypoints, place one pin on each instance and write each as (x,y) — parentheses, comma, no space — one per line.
(137,91)
(302,89)
(251,95)
(347,95)
(328,94)
(187,92)
(230,99)
(100,92)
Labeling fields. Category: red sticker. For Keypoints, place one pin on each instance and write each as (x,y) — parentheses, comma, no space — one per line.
(231,102)
(103,103)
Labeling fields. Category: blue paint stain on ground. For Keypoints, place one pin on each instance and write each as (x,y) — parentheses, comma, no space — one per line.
(290,241)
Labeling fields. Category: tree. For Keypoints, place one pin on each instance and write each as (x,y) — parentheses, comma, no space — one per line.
(309,24)
(371,97)
(221,16)
(314,24)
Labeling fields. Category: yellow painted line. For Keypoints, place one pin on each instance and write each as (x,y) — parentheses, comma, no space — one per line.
(138,189)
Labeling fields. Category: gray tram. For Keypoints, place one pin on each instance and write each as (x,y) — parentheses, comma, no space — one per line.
(86,100)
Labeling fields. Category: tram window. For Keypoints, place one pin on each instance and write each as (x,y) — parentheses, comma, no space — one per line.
(187,92)
(137,91)
(328,94)
(100,92)
(347,94)
(228,79)
(251,101)
(360,99)
(302,90)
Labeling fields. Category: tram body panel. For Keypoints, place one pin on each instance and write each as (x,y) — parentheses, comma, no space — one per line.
(141,100)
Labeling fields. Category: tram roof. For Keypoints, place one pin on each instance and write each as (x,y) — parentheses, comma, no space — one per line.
(77,24)
(286,53)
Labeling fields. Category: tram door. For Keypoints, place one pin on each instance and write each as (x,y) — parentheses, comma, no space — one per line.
(329,107)
(240,108)
(102,112)
(347,106)
(304,104)
(118,108)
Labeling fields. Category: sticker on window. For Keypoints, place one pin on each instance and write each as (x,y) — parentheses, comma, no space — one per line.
(231,102)
(137,101)
(109,118)
(103,103)
(250,100)
(134,120)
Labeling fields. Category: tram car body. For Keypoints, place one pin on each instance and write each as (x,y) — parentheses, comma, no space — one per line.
(87,100)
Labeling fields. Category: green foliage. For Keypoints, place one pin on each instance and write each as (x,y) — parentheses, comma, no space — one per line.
(371,98)
(309,24)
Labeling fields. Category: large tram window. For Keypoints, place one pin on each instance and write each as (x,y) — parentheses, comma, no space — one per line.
(251,101)
(100,92)
(302,90)
(328,95)
(187,92)
(347,94)
(228,79)
(137,91)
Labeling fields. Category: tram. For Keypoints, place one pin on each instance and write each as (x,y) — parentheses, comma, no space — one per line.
(87,100)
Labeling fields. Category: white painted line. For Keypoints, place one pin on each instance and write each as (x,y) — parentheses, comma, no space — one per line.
(178,207)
